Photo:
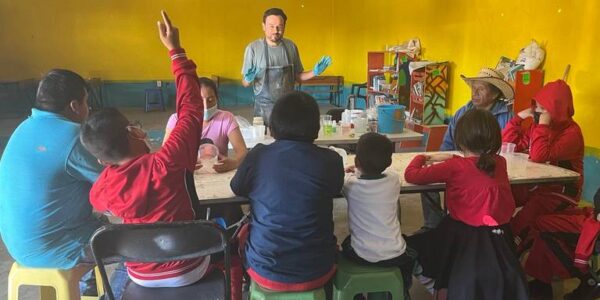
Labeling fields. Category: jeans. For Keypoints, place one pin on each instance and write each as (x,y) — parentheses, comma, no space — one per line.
(432,209)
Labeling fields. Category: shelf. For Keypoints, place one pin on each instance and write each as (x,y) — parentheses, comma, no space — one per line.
(389,93)
(382,71)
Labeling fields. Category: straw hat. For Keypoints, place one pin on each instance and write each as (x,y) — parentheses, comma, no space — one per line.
(494,78)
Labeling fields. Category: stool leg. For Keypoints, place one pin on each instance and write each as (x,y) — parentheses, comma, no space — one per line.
(13,288)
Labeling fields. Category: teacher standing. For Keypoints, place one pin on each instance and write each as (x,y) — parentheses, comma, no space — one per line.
(272,64)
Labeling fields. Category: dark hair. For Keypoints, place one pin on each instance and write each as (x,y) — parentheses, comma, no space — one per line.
(477,131)
(295,116)
(274,12)
(204,81)
(104,135)
(206,141)
(58,88)
(374,153)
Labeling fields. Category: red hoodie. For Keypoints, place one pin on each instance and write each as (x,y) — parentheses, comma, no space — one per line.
(560,143)
(150,188)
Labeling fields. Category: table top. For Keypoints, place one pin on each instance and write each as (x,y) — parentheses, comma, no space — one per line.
(214,188)
(348,138)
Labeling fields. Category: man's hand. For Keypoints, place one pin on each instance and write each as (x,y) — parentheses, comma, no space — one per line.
(545,118)
(321,65)
(251,74)
(526,113)
(169,35)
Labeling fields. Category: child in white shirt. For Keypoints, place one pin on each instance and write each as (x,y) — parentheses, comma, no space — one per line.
(372,193)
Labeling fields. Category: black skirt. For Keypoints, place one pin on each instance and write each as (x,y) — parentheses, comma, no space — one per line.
(470,262)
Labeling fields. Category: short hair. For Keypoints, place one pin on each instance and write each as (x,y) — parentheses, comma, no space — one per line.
(58,88)
(295,116)
(204,81)
(374,153)
(478,131)
(104,134)
(274,12)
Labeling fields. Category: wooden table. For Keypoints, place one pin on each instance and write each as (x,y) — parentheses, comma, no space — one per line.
(334,85)
(214,188)
(406,136)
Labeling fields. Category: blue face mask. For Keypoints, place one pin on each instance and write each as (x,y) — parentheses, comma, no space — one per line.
(209,113)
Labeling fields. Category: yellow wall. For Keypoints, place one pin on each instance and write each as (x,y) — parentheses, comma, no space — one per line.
(117,39)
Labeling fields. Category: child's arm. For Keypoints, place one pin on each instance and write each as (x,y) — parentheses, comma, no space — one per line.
(181,149)
(585,245)
(567,145)
(418,173)
(241,182)
(513,133)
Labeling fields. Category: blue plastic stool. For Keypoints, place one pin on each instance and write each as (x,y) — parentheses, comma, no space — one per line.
(154,99)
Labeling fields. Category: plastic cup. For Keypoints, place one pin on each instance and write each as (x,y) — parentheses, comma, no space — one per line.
(208,155)
(507,148)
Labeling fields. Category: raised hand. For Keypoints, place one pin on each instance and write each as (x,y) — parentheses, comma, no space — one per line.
(169,34)
(321,65)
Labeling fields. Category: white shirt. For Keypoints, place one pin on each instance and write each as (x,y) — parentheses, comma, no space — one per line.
(373,216)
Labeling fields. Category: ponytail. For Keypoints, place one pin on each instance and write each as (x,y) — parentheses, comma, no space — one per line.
(487,163)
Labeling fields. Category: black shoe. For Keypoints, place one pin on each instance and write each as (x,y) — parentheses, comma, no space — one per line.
(540,290)
(588,289)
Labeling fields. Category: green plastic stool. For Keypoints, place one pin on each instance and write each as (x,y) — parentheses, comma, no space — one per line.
(352,279)
(259,293)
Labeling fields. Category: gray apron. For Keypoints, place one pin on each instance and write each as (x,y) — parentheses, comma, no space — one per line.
(278,81)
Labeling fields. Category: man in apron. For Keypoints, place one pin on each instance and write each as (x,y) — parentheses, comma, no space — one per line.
(272,64)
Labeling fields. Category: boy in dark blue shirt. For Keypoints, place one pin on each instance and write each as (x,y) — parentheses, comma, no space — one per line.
(291,184)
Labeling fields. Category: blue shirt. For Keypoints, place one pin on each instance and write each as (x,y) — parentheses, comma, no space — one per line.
(291,186)
(46,219)
(499,110)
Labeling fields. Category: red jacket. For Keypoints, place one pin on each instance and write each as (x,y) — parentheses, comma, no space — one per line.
(150,188)
(590,229)
(560,143)
(472,196)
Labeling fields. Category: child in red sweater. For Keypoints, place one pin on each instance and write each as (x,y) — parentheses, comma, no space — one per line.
(471,254)
(143,187)
(553,137)
(562,246)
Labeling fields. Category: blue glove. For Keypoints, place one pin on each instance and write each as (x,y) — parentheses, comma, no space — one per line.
(321,65)
(251,74)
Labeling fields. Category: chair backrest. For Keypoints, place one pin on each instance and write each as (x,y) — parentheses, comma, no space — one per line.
(159,242)
(190,187)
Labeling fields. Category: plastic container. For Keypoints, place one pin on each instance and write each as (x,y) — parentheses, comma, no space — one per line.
(507,148)
(208,155)
(390,118)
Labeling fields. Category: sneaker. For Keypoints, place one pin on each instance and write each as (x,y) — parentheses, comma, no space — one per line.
(540,290)
(588,289)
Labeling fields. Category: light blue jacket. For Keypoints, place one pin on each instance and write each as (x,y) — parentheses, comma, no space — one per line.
(499,110)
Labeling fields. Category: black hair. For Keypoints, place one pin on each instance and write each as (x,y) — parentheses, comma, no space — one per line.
(295,116)
(206,141)
(58,88)
(374,153)
(477,131)
(204,81)
(274,12)
(597,202)
(104,134)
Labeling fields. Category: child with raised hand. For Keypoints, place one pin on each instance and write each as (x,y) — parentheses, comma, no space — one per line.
(471,254)
(372,193)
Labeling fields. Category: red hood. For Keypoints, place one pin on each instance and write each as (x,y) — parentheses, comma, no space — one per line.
(556,97)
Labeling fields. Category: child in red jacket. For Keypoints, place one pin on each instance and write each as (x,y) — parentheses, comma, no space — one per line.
(554,137)
(143,187)
(562,246)
(471,254)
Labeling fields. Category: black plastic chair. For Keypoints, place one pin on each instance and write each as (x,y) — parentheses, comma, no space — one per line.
(162,242)
(357,95)
(200,212)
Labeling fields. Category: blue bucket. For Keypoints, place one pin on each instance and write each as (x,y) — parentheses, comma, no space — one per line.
(390,118)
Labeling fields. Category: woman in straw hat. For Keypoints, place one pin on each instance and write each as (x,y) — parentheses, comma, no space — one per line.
(488,91)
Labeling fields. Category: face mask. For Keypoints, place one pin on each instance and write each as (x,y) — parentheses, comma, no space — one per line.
(209,113)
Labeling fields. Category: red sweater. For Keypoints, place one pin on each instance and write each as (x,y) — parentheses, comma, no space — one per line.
(150,188)
(472,196)
(560,143)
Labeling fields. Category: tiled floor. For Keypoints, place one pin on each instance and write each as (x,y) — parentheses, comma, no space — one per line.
(155,121)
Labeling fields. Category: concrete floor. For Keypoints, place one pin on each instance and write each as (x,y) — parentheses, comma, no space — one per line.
(154,122)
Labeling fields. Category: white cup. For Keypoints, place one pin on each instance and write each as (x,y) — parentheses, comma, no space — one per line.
(208,155)
(507,148)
